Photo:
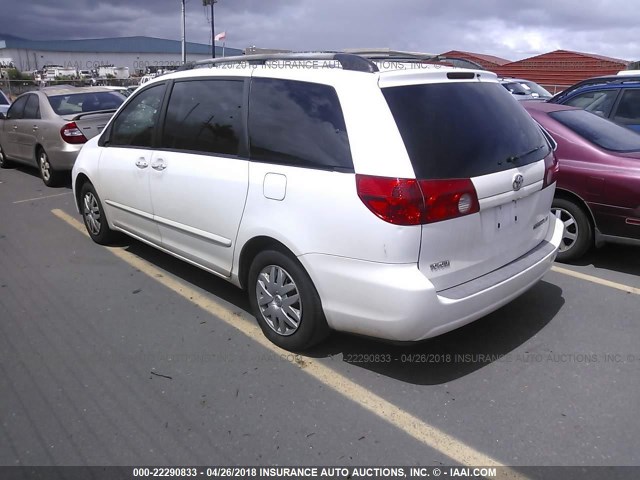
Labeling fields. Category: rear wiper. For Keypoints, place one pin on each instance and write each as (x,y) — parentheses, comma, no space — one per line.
(515,158)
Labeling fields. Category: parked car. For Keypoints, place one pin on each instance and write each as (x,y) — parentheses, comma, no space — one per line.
(598,192)
(525,89)
(313,189)
(4,102)
(616,97)
(47,128)
(122,90)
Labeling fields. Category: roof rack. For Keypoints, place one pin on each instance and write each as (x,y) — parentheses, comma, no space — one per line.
(348,61)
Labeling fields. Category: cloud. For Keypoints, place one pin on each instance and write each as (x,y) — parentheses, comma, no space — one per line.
(498,27)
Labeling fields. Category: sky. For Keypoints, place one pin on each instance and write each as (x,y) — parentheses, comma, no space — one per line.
(505,28)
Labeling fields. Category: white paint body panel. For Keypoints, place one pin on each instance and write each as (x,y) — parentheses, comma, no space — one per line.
(198,202)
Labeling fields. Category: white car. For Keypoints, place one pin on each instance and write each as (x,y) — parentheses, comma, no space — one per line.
(399,204)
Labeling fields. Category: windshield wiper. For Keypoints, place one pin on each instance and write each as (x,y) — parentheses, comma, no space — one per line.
(515,158)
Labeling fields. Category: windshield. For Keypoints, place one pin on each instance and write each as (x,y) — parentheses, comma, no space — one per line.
(598,130)
(527,88)
(74,103)
(535,88)
(464,130)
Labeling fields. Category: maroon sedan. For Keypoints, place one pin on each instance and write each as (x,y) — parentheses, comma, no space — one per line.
(598,190)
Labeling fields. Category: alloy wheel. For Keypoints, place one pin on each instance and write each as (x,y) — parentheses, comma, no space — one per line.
(570,228)
(91,213)
(279,300)
(45,166)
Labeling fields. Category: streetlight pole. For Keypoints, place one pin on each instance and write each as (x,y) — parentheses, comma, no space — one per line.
(184,41)
(213,28)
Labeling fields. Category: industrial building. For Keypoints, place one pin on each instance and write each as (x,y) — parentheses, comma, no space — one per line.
(560,69)
(135,53)
(489,62)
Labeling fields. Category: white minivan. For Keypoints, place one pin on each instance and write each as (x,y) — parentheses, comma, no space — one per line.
(397,204)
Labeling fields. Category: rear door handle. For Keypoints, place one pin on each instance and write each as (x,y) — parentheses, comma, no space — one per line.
(35,127)
(142,163)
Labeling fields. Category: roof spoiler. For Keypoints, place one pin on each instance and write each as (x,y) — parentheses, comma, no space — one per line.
(96,112)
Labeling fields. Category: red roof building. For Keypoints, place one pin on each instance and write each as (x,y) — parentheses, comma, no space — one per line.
(560,69)
(489,62)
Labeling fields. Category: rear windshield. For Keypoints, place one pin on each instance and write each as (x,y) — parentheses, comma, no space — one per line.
(463,130)
(598,130)
(74,103)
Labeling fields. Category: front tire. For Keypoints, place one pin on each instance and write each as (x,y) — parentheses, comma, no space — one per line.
(94,217)
(50,176)
(578,232)
(285,301)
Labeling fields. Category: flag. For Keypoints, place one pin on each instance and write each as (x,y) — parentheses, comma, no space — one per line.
(220,36)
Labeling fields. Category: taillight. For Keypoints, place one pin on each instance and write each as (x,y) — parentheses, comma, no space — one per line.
(551,168)
(395,200)
(446,199)
(70,133)
(413,202)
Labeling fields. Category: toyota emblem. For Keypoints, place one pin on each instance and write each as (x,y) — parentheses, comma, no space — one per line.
(518,180)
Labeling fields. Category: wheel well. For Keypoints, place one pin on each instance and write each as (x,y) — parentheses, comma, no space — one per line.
(572,197)
(37,149)
(80,181)
(252,248)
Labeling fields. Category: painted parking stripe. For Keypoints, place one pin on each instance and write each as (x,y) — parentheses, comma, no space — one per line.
(42,198)
(411,425)
(598,280)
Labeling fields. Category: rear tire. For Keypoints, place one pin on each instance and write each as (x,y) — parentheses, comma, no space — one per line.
(285,301)
(94,217)
(578,232)
(4,162)
(50,176)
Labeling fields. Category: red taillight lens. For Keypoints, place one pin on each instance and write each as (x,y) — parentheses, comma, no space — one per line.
(414,202)
(395,200)
(551,168)
(446,199)
(70,133)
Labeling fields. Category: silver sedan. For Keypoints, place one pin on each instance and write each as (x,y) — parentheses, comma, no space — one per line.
(47,128)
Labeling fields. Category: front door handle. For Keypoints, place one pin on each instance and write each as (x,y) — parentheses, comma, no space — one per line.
(142,163)
(15,127)
(159,165)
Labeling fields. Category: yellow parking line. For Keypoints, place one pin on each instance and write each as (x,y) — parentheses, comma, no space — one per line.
(598,280)
(423,432)
(42,198)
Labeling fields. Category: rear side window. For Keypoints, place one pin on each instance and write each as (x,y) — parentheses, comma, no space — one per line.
(3,99)
(628,112)
(32,108)
(464,130)
(297,123)
(603,133)
(205,116)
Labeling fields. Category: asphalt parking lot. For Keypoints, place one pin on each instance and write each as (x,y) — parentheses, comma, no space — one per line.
(126,356)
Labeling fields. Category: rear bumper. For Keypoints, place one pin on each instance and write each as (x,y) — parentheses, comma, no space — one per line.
(62,156)
(397,302)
